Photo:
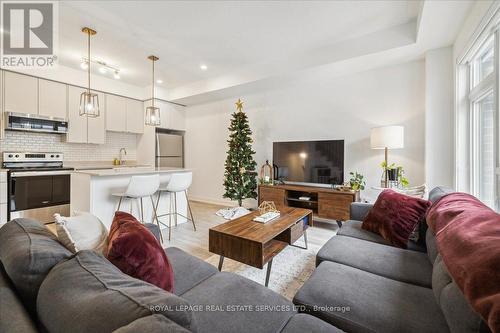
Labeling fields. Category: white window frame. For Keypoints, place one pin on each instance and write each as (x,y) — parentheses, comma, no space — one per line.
(467,158)
(475,139)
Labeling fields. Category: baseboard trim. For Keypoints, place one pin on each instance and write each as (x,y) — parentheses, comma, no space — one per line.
(225,203)
(248,203)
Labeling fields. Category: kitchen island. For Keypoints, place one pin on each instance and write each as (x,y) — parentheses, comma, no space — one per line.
(92,189)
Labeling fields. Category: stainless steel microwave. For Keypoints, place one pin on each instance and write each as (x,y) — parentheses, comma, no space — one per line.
(34,123)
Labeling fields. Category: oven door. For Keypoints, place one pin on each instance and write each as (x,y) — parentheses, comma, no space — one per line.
(38,196)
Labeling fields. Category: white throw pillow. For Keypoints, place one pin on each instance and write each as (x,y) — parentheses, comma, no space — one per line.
(83,231)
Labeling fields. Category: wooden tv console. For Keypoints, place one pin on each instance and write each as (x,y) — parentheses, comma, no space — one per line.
(326,203)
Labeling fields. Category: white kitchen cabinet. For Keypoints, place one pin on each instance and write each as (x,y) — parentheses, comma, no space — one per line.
(135,116)
(83,129)
(171,116)
(77,125)
(96,126)
(177,117)
(3,192)
(52,99)
(3,197)
(20,93)
(116,113)
(124,114)
(2,118)
(3,214)
(164,115)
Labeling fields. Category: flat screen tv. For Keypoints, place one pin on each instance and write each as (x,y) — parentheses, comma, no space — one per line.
(318,162)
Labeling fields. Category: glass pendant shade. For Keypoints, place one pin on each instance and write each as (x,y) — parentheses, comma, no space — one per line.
(89,104)
(89,101)
(153,116)
(152,112)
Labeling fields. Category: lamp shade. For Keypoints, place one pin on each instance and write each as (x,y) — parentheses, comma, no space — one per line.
(387,137)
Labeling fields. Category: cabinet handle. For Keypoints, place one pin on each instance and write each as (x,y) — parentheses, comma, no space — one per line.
(13,187)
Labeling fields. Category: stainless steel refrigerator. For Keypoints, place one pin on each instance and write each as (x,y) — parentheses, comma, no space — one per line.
(169,149)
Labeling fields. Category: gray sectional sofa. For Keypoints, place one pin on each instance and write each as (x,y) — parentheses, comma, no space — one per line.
(43,287)
(363,284)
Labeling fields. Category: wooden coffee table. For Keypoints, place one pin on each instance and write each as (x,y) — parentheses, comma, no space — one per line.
(256,244)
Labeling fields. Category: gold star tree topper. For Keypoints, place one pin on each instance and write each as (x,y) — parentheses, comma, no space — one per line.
(239,105)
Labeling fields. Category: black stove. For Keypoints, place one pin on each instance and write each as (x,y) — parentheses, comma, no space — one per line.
(39,185)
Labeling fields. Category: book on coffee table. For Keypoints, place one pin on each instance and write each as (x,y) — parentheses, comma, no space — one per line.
(266,217)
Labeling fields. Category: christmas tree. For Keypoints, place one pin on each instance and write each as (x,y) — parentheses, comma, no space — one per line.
(240,176)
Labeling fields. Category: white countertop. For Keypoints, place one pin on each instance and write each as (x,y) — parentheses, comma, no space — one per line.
(129,170)
(98,165)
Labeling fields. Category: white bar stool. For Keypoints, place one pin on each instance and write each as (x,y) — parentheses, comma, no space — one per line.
(138,188)
(179,182)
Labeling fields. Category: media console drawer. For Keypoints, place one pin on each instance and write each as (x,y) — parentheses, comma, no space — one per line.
(334,206)
(277,195)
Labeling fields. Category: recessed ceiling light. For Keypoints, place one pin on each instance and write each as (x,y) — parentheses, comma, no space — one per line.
(103,70)
(203,67)
(117,75)
(159,81)
(84,65)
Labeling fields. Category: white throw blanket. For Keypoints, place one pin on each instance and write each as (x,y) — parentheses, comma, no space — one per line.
(232,213)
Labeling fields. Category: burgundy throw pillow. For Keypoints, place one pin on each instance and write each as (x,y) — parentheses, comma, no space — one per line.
(136,252)
(394,216)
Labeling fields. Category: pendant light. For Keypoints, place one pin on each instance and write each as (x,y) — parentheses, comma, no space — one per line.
(89,101)
(152,112)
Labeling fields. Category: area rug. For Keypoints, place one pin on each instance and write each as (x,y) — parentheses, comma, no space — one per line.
(291,268)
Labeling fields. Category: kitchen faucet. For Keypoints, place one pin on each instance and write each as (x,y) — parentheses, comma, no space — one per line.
(122,161)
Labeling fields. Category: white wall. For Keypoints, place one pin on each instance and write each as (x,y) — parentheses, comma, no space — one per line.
(339,108)
(439,162)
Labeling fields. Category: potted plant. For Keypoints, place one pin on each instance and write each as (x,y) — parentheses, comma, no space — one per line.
(392,174)
(401,177)
(357,181)
(395,174)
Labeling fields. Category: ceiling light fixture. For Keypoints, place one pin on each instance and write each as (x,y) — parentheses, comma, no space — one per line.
(84,64)
(103,66)
(203,67)
(152,112)
(89,101)
(159,81)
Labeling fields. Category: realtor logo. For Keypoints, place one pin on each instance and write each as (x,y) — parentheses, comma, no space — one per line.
(28,33)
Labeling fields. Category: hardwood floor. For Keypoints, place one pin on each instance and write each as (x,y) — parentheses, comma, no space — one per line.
(196,242)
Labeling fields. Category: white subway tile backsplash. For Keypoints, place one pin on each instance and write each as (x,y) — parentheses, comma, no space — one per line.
(42,142)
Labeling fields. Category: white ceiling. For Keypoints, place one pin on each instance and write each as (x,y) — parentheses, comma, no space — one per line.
(227,36)
(252,44)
